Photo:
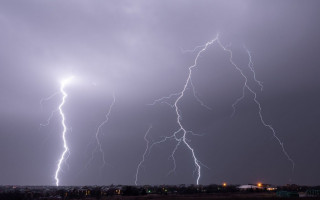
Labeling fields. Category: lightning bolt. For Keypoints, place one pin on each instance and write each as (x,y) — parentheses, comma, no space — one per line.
(47,99)
(182,139)
(250,65)
(52,113)
(99,146)
(144,154)
(246,86)
(65,145)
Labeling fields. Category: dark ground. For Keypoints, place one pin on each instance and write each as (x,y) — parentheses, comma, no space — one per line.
(255,196)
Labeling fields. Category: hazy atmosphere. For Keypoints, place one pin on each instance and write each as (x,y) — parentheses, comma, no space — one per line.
(135,52)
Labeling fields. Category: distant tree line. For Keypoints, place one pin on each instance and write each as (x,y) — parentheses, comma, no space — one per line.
(101,192)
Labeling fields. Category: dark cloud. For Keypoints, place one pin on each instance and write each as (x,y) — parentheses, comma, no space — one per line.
(134,50)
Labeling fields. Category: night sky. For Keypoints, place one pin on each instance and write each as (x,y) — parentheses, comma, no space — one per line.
(136,51)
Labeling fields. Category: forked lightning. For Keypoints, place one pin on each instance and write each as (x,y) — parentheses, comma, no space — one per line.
(181,139)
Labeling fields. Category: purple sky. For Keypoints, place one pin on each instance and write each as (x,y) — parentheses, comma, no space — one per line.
(134,49)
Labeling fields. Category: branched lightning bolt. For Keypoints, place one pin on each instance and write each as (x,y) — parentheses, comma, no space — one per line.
(246,86)
(52,113)
(250,65)
(144,154)
(182,139)
(179,95)
(65,145)
(99,146)
(162,100)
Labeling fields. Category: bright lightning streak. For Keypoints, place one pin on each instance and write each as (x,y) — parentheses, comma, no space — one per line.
(99,146)
(246,86)
(65,145)
(182,139)
(144,155)
(250,65)
(181,129)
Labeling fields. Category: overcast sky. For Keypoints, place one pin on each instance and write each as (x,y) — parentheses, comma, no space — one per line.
(134,49)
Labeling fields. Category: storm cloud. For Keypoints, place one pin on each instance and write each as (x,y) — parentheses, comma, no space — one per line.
(135,49)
